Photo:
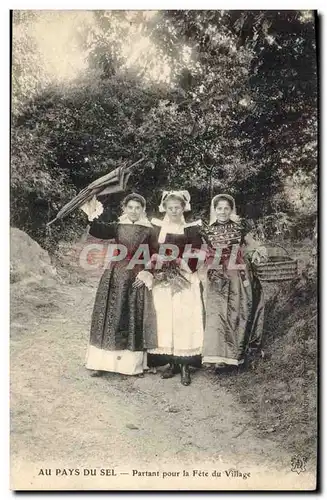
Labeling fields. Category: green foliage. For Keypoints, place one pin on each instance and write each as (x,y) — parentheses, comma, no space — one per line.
(214,100)
(282,123)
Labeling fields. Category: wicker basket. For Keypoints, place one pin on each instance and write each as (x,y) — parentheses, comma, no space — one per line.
(278,267)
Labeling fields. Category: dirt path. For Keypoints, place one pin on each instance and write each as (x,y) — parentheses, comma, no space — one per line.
(62,417)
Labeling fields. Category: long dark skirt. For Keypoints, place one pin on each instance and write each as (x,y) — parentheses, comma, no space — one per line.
(123,319)
(234,317)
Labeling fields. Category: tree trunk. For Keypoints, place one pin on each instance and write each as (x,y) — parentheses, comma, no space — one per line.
(211,183)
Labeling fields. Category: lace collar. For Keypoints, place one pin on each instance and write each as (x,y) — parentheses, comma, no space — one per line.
(143,221)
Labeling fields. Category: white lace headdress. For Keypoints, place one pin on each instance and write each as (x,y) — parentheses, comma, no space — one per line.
(166,224)
(183,195)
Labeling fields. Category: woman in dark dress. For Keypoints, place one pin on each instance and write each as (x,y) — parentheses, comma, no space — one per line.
(176,292)
(233,297)
(123,324)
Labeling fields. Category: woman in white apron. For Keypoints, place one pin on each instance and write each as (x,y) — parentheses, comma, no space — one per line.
(176,292)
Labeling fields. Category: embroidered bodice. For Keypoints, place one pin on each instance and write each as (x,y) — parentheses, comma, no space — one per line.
(225,236)
(226,233)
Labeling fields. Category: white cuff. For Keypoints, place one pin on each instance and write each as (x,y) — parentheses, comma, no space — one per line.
(146,278)
(93,208)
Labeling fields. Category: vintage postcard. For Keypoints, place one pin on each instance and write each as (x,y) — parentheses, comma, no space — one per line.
(163,253)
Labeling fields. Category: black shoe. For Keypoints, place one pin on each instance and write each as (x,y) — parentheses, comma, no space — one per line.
(185,375)
(170,371)
(226,369)
(96,373)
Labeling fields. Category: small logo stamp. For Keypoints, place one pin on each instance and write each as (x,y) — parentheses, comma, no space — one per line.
(298,464)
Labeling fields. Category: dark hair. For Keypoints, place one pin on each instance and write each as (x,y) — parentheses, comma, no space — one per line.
(176,198)
(223,198)
(134,197)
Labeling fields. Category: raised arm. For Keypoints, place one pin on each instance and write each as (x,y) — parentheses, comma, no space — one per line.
(153,241)
(103,230)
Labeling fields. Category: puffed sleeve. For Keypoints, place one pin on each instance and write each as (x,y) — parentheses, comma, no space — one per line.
(204,233)
(146,275)
(103,230)
(153,241)
(247,238)
(253,248)
(194,234)
(245,227)
(195,238)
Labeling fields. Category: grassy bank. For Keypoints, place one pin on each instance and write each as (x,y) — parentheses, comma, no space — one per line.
(281,390)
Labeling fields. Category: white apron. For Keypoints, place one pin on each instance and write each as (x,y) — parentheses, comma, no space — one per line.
(179,319)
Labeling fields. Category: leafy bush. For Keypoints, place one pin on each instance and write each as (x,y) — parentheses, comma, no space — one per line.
(224,118)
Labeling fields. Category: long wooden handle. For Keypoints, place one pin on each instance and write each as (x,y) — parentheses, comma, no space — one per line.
(134,164)
(53,220)
(280,246)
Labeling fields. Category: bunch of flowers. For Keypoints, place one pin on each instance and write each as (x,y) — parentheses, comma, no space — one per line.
(170,274)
